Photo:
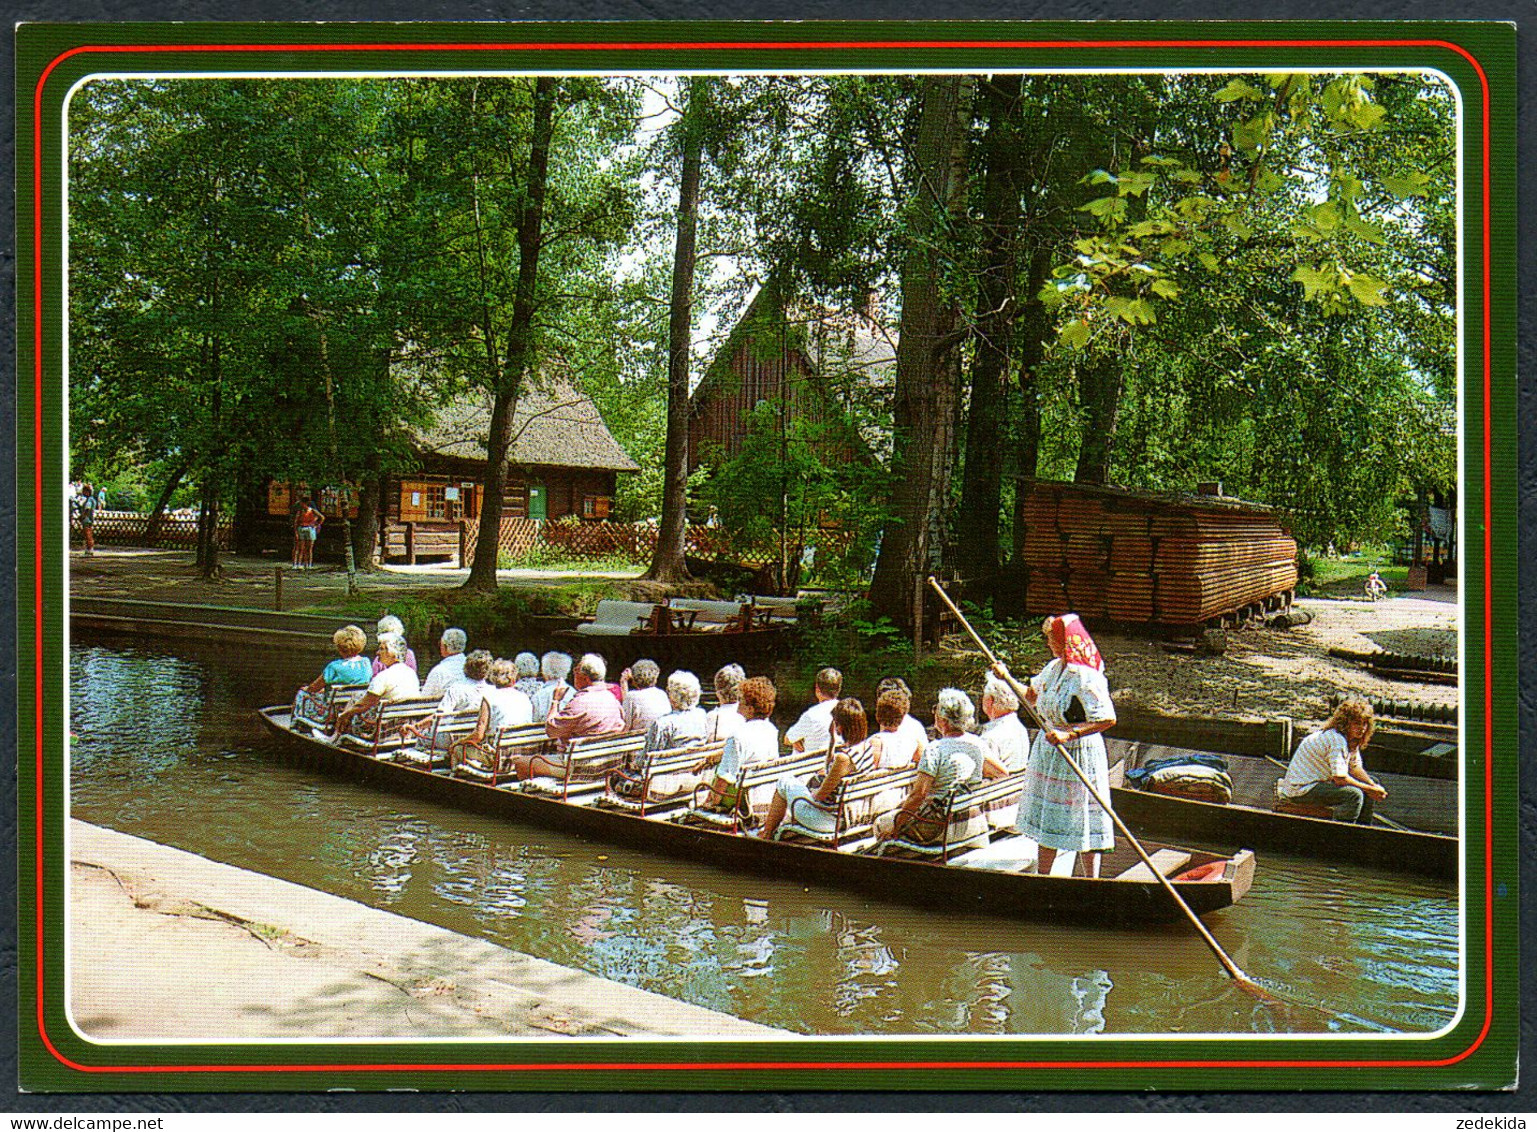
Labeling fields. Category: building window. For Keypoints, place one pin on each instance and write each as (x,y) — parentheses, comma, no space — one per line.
(438,500)
(596,506)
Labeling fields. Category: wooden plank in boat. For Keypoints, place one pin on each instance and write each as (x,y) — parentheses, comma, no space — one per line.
(1166,861)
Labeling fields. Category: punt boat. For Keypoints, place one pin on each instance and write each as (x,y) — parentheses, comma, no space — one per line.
(1252,818)
(1126,893)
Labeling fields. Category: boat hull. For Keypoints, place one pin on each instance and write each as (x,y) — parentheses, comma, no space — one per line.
(925,884)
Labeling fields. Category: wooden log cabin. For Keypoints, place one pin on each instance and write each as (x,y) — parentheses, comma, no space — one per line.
(563,461)
(807,366)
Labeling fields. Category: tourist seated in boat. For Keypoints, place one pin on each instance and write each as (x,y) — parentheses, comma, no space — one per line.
(725,719)
(685,723)
(1004,729)
(755,741)
(528,681)
(586,710)
(807,801)
(1072,699)
(1326,769)
(957,758)
(394,681)
(642,702)
(555,667)
(502,706)
(389,623)
(450,668)
(350,665)
(911,737)
(813,730)
(467,693)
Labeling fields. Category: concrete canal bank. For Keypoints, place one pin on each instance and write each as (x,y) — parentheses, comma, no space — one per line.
(165,944)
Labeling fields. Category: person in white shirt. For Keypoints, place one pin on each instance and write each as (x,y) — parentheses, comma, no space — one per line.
(914,736)
(394,681)
(502,706)
(555,666)
(685,724)
(757,740)
(725,719)
(528,673)
(643,702)
(1010,740)
(465,694)
(1327,769)
(450,669)
(813,730)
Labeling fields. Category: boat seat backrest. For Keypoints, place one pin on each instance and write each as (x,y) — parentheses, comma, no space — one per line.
(628,614)
(987,792)
(708,612)
(775,608)
(676,760)
(770,772)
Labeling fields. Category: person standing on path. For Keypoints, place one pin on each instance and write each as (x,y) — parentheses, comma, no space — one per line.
(85,511)
(307,524)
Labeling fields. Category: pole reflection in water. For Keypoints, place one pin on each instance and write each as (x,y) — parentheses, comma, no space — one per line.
(167,747)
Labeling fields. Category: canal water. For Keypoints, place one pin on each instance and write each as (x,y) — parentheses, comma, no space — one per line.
(166,746)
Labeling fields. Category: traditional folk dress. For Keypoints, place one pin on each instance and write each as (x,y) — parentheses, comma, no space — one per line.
(1056,810)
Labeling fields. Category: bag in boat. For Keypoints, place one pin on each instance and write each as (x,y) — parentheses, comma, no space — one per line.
(1202,783)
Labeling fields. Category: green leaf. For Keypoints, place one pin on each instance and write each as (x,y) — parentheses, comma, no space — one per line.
(1098,177)
(1209,262)
(1174,249)
(1367,290)
(1165,288)
(1413,185)
(1239,89)
(1316,281)
(1238,227)
(1325,217)
(1150,228)
(1158,159)
(1106,208)
(1135,184)
(1137,312)
(1187,176)
(1075,334)
(1367,115)
(1368,231)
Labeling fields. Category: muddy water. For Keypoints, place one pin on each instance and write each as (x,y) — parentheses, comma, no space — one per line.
(167,747)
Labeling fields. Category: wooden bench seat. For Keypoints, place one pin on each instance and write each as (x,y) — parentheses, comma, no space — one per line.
(749,778)
(315,712)
(1166,861)
(491,759)
(849,807)
(967,828)
(587,765)
(377,729)
(1303,809)
(618,618)
(636,790)
(696,615)
(444,729)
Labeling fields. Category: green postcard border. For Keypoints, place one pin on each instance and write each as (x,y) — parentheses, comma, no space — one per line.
(1479,1052)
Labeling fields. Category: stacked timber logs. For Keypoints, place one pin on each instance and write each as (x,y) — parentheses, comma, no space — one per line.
(1151,558)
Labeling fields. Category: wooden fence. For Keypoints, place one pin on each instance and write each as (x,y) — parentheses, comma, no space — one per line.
(524,538)
(131,528)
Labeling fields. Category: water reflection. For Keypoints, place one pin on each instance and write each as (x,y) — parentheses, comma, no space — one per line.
(167,748)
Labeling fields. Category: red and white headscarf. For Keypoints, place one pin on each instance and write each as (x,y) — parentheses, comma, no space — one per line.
(1071,641)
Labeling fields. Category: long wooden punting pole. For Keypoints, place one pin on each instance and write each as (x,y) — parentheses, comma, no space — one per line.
(1228,965)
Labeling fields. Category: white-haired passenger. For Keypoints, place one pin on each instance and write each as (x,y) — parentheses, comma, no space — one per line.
(389,623)
(554,667)
(394,681)
(528,681)
(957,758)
(685,723)
(641,701)
(725,719)
(449,670)
(1010,740)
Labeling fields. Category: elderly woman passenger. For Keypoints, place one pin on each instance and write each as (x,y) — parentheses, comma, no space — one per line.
(757,740)
(389,623)
(527,665)
(349,667)
(685,724)
(394,681)
(725,719)
(501,706)
(555,666)
(805,801)
(465,694)
(642,701)
(956,758)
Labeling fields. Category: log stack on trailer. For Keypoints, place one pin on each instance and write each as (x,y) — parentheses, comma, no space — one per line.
(1152,558)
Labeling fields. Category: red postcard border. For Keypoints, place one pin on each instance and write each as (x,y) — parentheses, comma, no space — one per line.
(695,1066)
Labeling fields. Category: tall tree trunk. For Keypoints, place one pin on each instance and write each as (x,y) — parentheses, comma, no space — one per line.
(1099,390)
(977,522)
(365,532)
(925,392)
(520,339)
(1034,332)
(336,462)
(157,515)
(208,516)
(667,563)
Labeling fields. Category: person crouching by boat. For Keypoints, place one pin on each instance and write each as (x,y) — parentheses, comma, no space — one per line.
(586,711)
(725,719)
(394,681)
(1072,698)
(806,800)
(467,693)
(528,682)
(957,758)
(1326,769)
(642,702)
(755,741)
(813,730)
(555,666)
(350,665)
(389,623)
(450,669)
(685,723)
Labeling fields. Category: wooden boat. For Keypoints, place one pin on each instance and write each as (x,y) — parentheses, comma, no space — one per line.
(1251,819)
(680,633)
(953,887)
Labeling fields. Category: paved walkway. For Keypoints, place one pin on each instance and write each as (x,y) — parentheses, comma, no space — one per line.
(168,945)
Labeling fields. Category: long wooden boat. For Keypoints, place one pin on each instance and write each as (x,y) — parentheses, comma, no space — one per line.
(1251,820)
(699,652)
(951,887)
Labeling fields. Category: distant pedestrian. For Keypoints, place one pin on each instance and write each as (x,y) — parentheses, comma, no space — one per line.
(307,524)
(85,512)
